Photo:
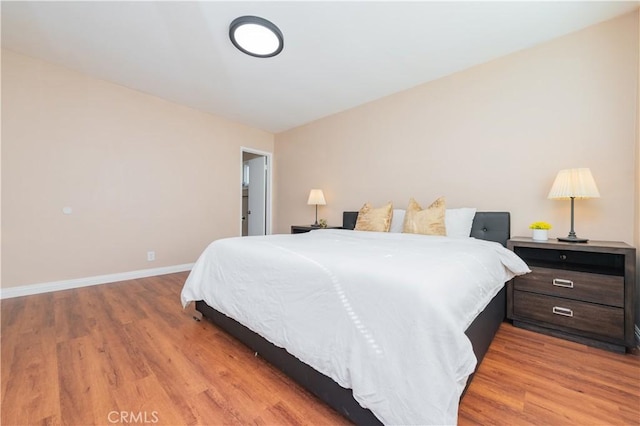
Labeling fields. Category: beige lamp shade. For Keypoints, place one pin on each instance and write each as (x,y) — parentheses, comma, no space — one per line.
(574,183)
(316,196)
(569,185)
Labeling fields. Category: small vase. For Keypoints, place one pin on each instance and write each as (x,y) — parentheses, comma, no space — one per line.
(540,235)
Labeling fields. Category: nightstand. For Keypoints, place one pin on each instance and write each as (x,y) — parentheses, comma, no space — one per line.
(300,229)
(582,292)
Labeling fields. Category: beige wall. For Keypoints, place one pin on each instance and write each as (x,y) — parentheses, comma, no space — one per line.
(140,174)
(493,137)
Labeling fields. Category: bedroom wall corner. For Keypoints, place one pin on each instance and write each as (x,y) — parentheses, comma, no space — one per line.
(0,172)
(138,173)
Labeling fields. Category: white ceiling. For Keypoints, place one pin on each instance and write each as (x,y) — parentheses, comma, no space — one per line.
(337,55)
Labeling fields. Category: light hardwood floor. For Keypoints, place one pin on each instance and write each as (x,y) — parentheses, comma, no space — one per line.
(127,353)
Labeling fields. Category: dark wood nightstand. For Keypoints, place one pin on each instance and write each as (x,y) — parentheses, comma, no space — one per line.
(300,229)
(578,291)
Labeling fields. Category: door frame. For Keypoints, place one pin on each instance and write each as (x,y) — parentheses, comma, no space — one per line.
(268,187)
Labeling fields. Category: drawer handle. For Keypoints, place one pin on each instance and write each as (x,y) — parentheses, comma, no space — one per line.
(559,282)
(566,312)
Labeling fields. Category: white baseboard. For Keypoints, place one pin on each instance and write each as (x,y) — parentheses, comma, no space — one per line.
(27,290)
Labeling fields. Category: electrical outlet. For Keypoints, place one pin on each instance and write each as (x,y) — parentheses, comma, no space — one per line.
(151,256)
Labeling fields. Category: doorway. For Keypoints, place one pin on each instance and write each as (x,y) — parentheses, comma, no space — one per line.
(255,193)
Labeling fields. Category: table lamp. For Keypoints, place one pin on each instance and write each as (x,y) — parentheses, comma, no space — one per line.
(316,197)
(572,184)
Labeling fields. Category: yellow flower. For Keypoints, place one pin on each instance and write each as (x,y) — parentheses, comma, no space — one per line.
(540,225)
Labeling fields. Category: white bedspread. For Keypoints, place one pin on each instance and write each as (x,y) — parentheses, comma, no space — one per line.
(383,314)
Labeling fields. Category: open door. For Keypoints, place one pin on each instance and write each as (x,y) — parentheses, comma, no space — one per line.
(257,200)
(256,185)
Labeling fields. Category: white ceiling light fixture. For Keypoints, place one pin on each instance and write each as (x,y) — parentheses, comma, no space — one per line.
(256,36)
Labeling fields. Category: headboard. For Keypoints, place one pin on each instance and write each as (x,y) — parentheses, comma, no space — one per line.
(490,226)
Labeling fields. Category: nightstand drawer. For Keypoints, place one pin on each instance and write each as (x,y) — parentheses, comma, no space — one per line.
(588,317)
(596,288)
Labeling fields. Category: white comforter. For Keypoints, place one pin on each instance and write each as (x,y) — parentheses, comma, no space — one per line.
(383,314)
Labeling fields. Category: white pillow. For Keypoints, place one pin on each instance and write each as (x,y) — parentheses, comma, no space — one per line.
(397,220)
(457,221)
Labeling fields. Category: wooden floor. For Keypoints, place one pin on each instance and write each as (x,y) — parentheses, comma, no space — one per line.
(126,353)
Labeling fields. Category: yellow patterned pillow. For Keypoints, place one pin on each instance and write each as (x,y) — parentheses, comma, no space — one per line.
(429,221)
(370,219)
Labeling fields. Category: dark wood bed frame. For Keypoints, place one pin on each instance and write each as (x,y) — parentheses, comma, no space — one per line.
(492,226)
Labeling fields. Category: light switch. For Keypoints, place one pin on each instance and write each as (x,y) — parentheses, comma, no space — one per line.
(67,210)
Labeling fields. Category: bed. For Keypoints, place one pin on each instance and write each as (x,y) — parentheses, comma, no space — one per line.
(348,389)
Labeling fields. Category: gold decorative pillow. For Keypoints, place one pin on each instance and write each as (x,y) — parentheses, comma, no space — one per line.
(370,219)
(429,221)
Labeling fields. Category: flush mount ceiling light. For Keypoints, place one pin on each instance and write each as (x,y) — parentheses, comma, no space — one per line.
(256,36)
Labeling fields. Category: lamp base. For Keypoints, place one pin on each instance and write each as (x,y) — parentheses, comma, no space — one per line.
(573,239)
(315,225)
